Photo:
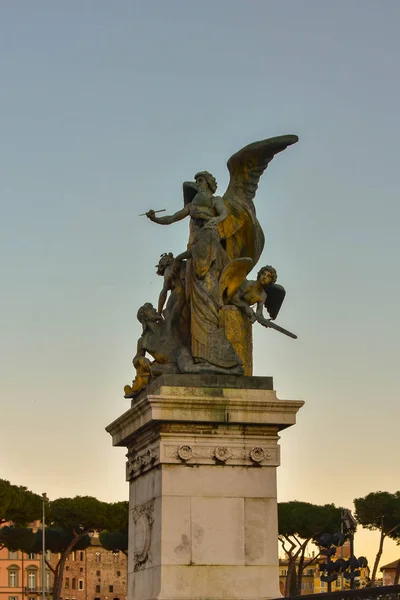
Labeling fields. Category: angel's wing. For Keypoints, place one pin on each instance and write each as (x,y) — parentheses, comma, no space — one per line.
(232,277)
(275,297)
(247,165)
(241,230)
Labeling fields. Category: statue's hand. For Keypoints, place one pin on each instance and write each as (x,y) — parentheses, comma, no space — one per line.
(142,363)
(252,317)
(212,223)
(151,215)
(264,321)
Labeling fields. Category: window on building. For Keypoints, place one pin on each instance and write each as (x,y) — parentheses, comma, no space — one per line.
(303,585)
(80,584)
(67,583)
(97,589)
(15,598)
(81,556)
(98,573)
(48,555)
(13,578)
(32,598)
(284,572)
(72,555)
(12,555)
(118,573)
(73,583)
(67,568)
(98,557)
(31,580)
(48,580)
(81,569)
(311,571)
(310,585)
(116,557)
(110,588)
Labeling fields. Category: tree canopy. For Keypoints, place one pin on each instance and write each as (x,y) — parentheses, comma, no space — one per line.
(71,521)
(18,505)
(379,511)
(115,541)
(16,538)
(300,523)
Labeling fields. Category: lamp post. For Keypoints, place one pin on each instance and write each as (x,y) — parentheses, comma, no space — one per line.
(350,523)
(44,500)
(347,569)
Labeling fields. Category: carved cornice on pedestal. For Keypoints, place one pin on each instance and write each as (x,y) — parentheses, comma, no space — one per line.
(139,462)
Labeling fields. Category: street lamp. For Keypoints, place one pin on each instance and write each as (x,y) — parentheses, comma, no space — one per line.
(44,500)
(328,543)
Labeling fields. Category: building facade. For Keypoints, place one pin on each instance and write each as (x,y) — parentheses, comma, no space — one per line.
(20,576)
(389,572)
(91,574)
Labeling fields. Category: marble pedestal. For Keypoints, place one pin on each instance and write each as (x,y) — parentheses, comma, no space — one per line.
(202,458)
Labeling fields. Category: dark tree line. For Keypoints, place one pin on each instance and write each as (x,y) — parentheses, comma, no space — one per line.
(302,523)
(70,524)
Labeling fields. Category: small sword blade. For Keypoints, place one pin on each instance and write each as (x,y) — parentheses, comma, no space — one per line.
(282,330)
(156,211)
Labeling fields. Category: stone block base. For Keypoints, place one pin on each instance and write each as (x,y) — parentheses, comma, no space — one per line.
(202,461)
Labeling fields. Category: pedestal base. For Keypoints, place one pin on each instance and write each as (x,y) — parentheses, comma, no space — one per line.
(202,458)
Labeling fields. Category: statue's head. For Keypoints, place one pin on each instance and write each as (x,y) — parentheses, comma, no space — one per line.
(267,275)
(206,182)
(147,313)
(166,259)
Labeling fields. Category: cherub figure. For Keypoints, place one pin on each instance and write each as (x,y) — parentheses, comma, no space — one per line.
(264,292)
(176,310)
(172,279)
(254,292)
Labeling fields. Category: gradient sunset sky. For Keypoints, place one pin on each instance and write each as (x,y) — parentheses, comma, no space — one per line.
(105,108)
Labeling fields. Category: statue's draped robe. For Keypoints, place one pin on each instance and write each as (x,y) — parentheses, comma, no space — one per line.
(208,339)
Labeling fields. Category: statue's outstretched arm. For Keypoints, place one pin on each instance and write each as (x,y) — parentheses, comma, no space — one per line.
(260,316)
(259,310)
(238,301)
(167,220)
(183,256)
(163,294)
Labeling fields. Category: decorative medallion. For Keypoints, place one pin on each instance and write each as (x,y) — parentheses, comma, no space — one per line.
(185,452)
(143,519)
(221,453)
(258,454)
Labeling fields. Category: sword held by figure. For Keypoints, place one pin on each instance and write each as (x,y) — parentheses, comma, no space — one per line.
(268,323)
(153,212)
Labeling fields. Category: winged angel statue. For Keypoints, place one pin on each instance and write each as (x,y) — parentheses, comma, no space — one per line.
(225,243)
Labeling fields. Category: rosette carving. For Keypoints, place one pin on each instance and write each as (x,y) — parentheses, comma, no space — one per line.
(185,452)
(222,453)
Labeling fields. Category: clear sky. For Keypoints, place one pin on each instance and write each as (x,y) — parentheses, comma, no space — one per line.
(105,108)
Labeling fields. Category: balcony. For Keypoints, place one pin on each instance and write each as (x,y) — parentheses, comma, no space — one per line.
(28,591)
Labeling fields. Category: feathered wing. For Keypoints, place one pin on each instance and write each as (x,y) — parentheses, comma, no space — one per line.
(232,277)
(275,297)
(241,230)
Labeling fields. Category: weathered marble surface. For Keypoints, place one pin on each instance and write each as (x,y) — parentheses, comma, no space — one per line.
(202,474)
